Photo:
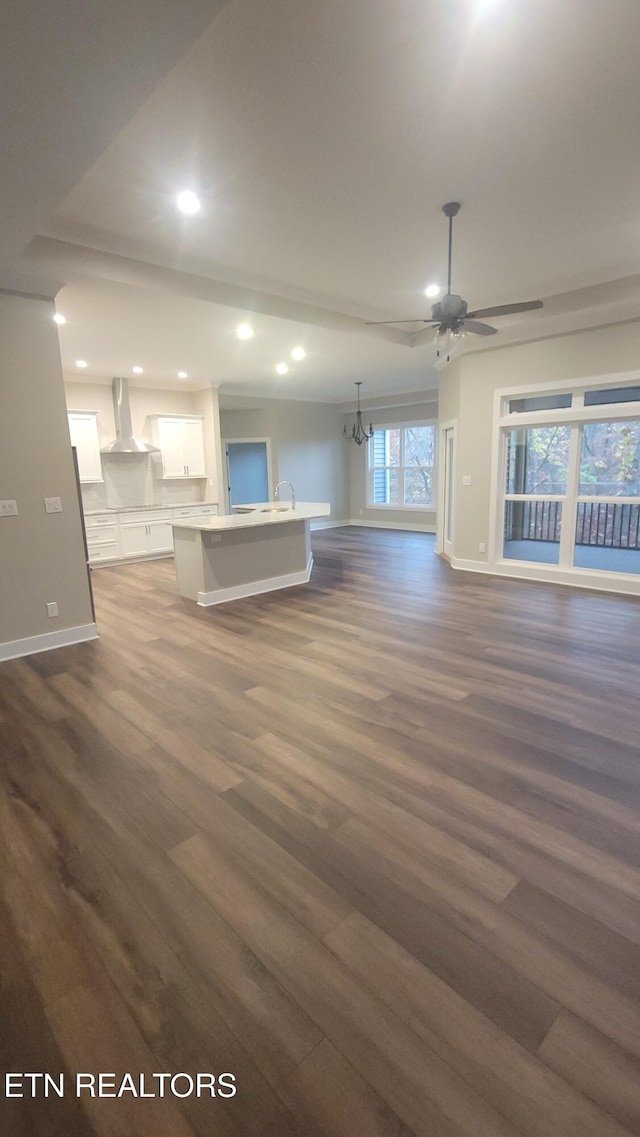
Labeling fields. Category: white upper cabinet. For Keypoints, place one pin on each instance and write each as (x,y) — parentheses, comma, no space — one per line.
(83,428)
(181,442)
(193,438)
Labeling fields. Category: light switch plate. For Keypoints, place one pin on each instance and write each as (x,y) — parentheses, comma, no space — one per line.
(53,505)
(8,508)
(466,479)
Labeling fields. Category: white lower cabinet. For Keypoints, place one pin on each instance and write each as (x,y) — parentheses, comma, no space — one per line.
(103,537)
(161,536)
(146,533)
(143,533)
(134,539)
(195,511)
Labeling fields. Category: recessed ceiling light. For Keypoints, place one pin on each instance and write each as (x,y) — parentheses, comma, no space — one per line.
(137,370)
(298,353)
(244,331)
(59,318)
(432,290)
(188,202)
(182,375)
(282,368)
(81,363)
(483,6)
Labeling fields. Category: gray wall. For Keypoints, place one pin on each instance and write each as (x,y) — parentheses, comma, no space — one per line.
(41,555)
(467,395)
(307,447)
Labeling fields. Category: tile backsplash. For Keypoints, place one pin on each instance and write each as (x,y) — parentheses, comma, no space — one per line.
(129,480)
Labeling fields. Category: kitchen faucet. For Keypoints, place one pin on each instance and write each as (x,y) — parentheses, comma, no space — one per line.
(293,492)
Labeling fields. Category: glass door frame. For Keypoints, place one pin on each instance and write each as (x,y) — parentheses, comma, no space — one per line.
(576,417)
(445,521)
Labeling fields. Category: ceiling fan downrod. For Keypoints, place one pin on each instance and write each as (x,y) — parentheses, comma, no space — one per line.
(450,210)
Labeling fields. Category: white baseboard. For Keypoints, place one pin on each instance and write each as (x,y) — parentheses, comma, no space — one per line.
(254,588)
(13,649)
(575,578)
(328,524)
(115,561)
(413,526)
(471,566)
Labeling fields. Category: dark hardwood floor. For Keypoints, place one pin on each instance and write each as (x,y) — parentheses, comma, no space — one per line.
(371,845)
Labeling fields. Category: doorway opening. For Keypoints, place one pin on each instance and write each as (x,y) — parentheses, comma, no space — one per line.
(248,465)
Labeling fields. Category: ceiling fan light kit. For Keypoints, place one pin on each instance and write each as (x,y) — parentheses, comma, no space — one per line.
(450,314)
(358,433)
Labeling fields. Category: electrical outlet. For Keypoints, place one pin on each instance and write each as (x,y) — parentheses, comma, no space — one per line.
(482,547)
(53,505)
(8,508)
(52,608)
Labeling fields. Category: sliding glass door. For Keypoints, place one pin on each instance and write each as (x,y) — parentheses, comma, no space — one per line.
(536,487)
(607,536)
(572,486)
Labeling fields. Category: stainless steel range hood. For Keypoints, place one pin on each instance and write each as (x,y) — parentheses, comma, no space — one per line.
(124,442)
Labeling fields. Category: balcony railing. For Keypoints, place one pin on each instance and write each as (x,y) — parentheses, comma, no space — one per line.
(608,524)
(602,524)
(532,521)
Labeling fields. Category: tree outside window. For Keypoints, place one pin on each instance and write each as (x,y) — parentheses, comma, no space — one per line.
(610,459)
(537,460)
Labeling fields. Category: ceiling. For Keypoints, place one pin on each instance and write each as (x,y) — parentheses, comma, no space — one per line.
(165,333)
(323,140)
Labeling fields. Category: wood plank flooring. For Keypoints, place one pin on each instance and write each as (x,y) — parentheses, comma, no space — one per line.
(372,845)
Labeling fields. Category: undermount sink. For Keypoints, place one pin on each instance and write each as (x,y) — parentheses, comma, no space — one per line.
(276,509)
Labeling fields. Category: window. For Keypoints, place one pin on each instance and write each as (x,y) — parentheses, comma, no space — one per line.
(401,461)
(610,459)
(539,403)
(612,395)
(537,464)
(537,460)
(572,484)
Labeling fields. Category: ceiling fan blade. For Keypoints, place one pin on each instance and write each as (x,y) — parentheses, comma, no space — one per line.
(417,339)
(409,320)
(478,329)
(507,309)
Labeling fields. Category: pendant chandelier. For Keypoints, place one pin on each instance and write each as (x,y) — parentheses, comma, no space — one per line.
(358,432)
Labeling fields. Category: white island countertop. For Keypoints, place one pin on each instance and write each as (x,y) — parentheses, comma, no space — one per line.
(258,513)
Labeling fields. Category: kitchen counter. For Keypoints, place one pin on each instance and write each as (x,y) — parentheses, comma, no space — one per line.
(261,513)
(224,558)
(137,508)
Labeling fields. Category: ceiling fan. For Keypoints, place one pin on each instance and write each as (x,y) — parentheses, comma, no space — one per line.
(450,316)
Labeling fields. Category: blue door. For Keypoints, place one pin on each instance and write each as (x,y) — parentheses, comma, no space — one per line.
(248,472)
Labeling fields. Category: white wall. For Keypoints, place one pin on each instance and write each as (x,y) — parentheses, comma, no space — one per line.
(357,455)
(467,394)
(206,403)
(41,555)
(133,480)
(307,447)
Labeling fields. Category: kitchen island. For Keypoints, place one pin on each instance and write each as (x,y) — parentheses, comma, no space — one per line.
(267,546)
